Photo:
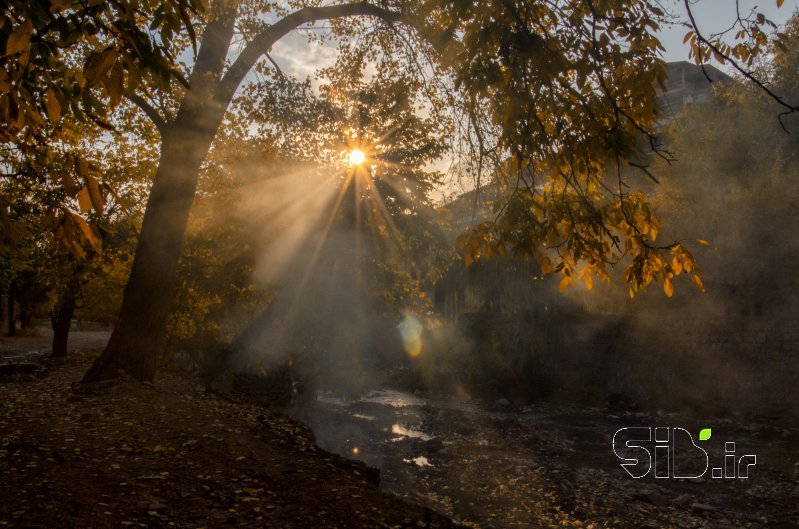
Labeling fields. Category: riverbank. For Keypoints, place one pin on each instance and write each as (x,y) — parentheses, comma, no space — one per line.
(171,455)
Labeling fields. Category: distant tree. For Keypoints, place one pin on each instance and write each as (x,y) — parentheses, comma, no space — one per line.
(63,204)
(735,184)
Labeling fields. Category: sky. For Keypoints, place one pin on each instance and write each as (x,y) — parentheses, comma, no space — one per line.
(298,57)
(717,15)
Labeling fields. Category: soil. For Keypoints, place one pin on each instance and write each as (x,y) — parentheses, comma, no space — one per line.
(169,454)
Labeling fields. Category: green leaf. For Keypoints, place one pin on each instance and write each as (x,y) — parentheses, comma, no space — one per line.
(704,434)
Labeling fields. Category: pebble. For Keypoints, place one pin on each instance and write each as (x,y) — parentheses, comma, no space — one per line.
(702,507)
(682,499)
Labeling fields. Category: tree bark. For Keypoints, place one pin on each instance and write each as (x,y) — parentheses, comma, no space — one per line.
(139,337)
(62,318)
(12,324)
(137,340)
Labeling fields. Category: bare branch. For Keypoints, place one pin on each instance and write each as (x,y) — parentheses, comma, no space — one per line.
(275,64)
(645,170)
(747,74)
(149,111)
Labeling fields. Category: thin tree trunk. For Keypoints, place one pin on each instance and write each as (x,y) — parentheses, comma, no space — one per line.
(62,319)
(12,324)
(25,317)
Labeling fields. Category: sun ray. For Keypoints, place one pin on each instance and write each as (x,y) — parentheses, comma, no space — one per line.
(319,244)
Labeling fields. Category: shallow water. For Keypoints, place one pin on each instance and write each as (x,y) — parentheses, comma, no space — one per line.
(547,466)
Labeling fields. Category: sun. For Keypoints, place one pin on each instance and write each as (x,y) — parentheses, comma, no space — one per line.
(357,157)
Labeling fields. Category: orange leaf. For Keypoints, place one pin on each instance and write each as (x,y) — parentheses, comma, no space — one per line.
(20,38)
(668,287)
(53,106)
(84,200)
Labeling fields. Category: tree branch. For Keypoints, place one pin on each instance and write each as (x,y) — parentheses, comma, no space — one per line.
(747,74)
(277,67)
(264,41)
(149,111)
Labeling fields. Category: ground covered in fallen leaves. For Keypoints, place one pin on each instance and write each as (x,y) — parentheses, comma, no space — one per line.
(171,455)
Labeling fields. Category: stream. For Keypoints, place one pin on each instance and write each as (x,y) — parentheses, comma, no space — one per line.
(498,466)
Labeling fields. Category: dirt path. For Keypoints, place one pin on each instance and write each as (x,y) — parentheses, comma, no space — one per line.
(41,344)
(172,455)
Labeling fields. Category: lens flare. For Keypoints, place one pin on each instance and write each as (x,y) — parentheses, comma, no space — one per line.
(411,332)
(357,157)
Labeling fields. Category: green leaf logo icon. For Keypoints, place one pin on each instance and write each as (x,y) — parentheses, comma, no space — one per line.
(704,434)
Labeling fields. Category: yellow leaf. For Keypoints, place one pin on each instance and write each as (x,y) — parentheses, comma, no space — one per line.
(114,85)
(4,86)
(59,5)
(94,193)
(83,167)
(53,106)
(676,265)
(20,38)
(84,200)
(668,287)
(564,283)
(91,237)
(698,282)
(97,65)
(704,243)
(70,186)
(546,265)
(779,3)
(34,116)
(589,282)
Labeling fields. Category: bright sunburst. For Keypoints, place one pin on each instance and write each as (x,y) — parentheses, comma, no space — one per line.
(357,157)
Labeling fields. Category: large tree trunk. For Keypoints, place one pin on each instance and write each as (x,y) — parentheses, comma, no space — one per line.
(138,339)
(62,318)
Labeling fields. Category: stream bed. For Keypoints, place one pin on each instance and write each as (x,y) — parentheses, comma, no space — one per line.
(499,466)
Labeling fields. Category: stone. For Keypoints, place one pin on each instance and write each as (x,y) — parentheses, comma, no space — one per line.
(702,507)
(502,403)
(682,499)
(156,506)
(652,497)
